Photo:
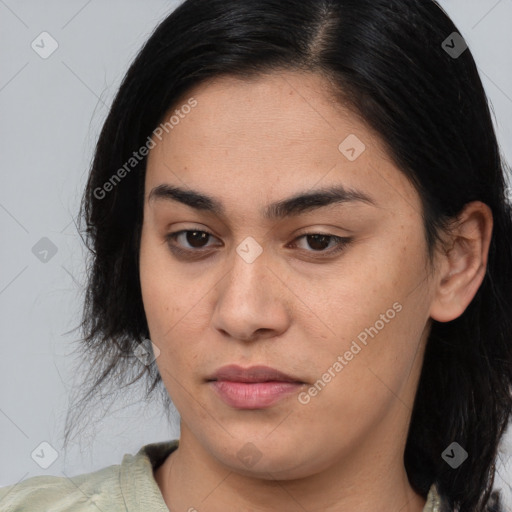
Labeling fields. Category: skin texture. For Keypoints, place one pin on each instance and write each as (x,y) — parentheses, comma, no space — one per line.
(295,307)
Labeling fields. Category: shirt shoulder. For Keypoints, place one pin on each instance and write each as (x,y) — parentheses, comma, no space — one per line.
(116,488)
(79,493)
(435,503)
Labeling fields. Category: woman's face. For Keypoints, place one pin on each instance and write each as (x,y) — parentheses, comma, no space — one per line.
(344,318)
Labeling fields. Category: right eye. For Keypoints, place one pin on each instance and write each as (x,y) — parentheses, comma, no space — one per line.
(195,238)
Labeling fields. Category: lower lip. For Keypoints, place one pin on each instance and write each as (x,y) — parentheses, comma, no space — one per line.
(253,395)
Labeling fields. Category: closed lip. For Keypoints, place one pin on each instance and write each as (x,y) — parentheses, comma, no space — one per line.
(235,373)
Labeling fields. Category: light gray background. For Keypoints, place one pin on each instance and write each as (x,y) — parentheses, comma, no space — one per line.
(51,111)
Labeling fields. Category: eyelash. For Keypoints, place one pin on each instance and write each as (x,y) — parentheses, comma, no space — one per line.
(342,243)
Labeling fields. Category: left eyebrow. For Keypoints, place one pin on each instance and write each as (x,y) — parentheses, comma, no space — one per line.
(295,205)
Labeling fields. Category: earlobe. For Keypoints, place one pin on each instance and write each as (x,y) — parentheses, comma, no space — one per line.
(462,265)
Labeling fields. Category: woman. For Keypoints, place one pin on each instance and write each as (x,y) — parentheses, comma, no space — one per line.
(302,205)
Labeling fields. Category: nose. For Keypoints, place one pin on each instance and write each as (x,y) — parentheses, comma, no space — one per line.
(251,302)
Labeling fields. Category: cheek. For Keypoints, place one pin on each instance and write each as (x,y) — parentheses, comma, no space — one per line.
(366,284)
(161,302)
(376,308)
(172,305)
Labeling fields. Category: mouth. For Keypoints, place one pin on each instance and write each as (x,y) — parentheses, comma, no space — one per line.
(257,387)
(253,374)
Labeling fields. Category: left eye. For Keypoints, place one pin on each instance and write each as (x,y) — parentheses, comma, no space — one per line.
(319,242)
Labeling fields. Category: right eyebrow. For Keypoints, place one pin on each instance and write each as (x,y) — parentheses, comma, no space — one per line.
(295,205)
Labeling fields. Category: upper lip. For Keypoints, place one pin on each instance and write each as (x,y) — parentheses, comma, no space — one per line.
(235,373)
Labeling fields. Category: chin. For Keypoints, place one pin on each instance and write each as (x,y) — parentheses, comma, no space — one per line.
(265,460)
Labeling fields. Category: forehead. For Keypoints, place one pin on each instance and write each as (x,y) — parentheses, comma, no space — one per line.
(269,135)
(291,106)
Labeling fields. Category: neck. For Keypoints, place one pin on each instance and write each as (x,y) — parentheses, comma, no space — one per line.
(364,481)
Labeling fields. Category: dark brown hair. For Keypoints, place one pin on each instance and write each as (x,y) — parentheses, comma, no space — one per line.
(388,62)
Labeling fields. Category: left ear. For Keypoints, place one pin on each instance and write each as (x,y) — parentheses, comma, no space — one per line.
(462,265)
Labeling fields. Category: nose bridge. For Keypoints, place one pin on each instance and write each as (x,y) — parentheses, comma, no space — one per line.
(248,298)
(248,268)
